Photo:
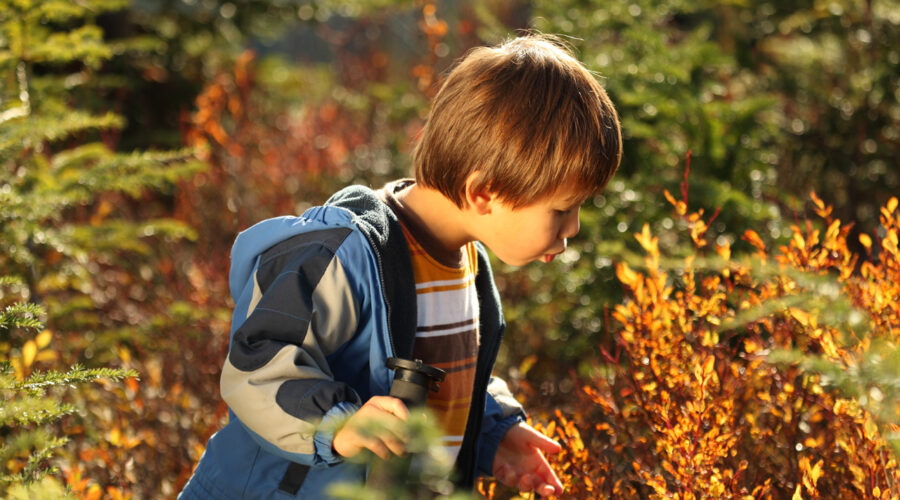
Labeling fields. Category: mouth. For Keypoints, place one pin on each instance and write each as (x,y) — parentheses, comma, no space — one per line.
(548,258)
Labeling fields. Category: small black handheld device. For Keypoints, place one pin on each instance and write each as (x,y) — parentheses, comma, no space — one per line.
(413,380)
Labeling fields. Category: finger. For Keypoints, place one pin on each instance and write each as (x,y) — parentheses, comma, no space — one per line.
(528,482)
(540,441)
(377,447)
(395,446)
(548,475)
(546,490)
(506,475)
(391,405)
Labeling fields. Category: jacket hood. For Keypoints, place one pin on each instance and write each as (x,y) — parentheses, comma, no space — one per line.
(353,205)
(255,240)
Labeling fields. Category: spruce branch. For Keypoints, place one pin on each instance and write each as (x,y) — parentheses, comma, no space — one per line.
(76,375)
(22,315)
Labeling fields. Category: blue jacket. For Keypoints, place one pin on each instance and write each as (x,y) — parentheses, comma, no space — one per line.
(321,301)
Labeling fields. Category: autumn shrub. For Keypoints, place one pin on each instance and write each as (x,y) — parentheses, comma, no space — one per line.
(774,375)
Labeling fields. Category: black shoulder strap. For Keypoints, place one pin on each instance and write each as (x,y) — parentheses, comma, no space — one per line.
(293,478)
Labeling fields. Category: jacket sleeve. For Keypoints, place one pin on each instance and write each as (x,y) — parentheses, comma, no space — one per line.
(501,411)
(276,379)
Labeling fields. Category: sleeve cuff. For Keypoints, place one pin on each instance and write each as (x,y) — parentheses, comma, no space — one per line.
(324,436)
(491,440)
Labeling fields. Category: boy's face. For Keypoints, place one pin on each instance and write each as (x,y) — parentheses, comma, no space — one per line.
(537,231)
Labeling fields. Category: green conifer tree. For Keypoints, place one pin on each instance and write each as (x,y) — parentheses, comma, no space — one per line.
(56,167)
(30,404)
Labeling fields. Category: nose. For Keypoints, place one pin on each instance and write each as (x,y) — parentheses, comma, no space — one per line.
(571,225)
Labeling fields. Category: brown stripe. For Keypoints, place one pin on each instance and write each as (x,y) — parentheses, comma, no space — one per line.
(446,348)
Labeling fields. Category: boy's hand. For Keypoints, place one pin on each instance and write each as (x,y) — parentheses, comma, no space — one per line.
(520,461)
(383,411)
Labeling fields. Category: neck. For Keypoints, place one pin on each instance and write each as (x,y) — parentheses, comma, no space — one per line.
(438,215)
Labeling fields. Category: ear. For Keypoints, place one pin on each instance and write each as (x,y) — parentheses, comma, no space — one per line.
(479,198)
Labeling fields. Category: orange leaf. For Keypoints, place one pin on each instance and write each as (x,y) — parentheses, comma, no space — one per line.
(750,236)
(669,197)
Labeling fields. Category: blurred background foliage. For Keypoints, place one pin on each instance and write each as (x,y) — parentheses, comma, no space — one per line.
(138,137)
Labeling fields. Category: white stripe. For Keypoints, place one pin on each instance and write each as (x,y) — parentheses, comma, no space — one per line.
(452,438)
(450,331)
(452,451)
(429,284)
(450,306)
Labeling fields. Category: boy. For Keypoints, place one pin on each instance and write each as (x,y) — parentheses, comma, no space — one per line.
(518,137)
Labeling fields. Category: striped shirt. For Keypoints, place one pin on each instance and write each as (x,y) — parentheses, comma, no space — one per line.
(447,326)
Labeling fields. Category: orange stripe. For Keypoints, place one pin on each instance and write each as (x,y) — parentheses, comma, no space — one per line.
(459,407)
(454,364)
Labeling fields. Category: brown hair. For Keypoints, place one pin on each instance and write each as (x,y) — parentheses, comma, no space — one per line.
(528,117)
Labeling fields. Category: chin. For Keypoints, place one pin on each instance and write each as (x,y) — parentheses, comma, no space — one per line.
(516,262)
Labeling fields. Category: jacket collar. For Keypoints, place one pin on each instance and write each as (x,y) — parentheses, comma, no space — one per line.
(380,226)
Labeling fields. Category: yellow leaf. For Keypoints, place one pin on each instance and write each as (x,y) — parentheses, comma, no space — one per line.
(17,368)
(816,472)
(876,491)
(724,251)
(115,436)
(524,366)
(865,240)
(647,241)
(750,346)
(43,339)
(890,241)
(892,204)
(708,365)
(800,315)
(626,275)
(870,430)
(833,230)
(45,356)
(93,493)
(29,350)
(797,495)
